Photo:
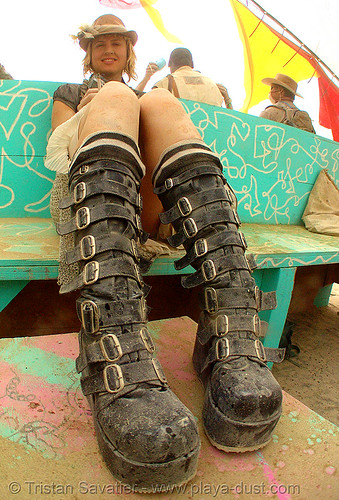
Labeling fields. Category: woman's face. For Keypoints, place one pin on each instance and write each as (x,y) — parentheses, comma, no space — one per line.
(109,56)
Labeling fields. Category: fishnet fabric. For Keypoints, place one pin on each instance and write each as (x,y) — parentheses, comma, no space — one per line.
(60,190)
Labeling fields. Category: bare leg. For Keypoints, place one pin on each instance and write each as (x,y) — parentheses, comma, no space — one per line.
(163,122)
(114,108)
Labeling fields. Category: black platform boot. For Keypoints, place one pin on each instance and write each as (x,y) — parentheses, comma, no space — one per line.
(242,400)
(146,435)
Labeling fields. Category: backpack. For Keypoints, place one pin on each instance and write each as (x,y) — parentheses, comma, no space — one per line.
(294,117)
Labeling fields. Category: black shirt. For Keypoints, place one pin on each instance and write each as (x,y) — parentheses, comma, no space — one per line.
(72,93)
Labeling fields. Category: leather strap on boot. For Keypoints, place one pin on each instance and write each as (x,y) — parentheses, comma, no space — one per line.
(99,314)
(226,348)
(204,245)
(223,324)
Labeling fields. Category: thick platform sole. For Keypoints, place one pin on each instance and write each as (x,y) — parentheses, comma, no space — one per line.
(235,436)
(230,449)
(147,477)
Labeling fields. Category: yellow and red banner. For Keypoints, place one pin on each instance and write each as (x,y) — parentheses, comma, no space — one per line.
(267,52)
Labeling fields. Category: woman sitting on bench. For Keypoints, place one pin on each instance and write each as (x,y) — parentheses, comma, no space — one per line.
(146,435)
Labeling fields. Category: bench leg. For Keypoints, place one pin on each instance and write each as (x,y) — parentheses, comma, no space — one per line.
(9,290)
(323,296)
(281,280)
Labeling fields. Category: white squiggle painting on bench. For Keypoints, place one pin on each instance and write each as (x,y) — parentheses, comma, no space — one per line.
(271,167)
(25,114)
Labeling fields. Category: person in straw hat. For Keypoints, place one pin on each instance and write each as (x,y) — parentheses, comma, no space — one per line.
(283,110)
(111,142)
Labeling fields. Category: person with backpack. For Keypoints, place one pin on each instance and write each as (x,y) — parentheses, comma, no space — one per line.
(187,83)
(283,110)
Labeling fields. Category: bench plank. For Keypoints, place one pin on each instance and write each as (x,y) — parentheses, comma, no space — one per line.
(34,242)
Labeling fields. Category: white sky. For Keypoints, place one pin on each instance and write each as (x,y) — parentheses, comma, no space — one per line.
(35,42)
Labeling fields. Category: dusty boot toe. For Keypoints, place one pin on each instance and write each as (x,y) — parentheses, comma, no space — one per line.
(242,405)
(153,428)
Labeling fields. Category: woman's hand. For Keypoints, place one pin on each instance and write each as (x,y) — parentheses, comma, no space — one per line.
(87,98)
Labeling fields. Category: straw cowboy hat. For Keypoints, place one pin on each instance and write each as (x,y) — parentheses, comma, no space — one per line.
(104,25)
(284,81)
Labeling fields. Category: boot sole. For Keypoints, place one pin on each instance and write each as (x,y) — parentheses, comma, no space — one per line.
(147,477)
(230,449)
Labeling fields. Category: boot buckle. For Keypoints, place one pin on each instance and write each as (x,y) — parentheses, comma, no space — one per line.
(169,184)
(208,270)
(82,218)
(159,371)
(147,340)
(91,272)
(113,373)
(243,239)
(87,247)
(111,342)
(211,300)
(222,349)
(221,325)
(134,250)
(260,350)
(90,316)
(184,206)
(83,169)
(190,228)
(79,192)
(139,203)
(236,218)
(138,275)
(200,247)
(138,223)
(257,325)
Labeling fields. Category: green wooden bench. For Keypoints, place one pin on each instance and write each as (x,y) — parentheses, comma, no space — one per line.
(271,167)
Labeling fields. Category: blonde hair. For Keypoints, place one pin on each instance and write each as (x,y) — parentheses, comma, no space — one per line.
(130,64)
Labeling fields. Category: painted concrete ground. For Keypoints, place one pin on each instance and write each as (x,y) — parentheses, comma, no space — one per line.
(48,448)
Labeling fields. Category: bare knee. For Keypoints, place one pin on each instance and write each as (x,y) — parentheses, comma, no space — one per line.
(158,99)
(115,108)
(115,94)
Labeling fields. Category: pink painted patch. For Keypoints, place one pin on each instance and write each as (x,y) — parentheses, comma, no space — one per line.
(309,452)
(65,346)
(243,463)
(330,470)
(271,477)
(184,375)
(49,418)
